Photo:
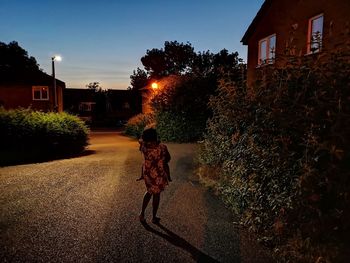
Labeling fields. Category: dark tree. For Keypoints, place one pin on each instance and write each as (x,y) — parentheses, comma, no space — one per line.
(203,64)
(155,63)
(95,86)
(175,59)
(187,80)
(179,57)
(100,100)
(138,79)
(13,57)
(225,62)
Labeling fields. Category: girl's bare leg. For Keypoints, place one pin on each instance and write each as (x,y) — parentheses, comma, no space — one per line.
(146,199)
(155,205)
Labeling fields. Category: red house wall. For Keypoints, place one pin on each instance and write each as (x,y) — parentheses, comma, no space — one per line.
(279,19)
(15,96)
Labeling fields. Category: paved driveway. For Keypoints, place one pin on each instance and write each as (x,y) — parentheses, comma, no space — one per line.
(85,209)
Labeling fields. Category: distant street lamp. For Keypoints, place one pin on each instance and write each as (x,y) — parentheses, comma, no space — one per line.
(148,92)
(154,85)
(57,58)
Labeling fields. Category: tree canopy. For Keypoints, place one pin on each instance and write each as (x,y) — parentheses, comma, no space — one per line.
(180,59)
(95,86)
(14,57)
(186,81)
(138,79)
(175,59)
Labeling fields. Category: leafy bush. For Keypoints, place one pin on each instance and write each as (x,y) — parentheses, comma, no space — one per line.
(186,81)
(177,127)
(135,125)
(34,134)
(180,107)
(283,149)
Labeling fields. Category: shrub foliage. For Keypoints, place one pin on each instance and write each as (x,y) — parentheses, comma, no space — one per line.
(180,107)
(283,149)
(186,81)
(33,134)
(135,125)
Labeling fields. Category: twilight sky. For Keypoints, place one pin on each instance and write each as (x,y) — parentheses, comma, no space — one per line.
(104,40)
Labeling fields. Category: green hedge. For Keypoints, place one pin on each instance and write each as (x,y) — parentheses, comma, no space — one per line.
(135,125)
(181,107)
(170,127)
(179,127)
(27,134)
(283,151)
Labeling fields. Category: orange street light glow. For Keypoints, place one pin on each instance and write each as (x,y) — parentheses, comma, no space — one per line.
(154,85)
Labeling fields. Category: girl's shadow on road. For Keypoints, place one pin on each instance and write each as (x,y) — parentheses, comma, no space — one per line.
(175,240)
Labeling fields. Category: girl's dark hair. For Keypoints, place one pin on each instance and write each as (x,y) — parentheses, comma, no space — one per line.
(150,135)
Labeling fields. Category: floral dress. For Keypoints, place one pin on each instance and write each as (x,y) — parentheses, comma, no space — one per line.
(155,167)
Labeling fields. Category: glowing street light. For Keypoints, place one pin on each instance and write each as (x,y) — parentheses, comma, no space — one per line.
(57,58)
(53,59)
(154,85)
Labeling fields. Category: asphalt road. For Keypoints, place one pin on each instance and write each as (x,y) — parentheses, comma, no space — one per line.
(85,209)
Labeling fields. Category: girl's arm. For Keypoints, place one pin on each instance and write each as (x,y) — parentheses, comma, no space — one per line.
(141,145)
(167,156)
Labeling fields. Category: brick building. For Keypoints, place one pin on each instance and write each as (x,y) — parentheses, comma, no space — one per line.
(30,90)
(297,28)
(101,108)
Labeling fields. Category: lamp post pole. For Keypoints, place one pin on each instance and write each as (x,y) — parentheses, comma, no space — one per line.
(58,58)
(54,83)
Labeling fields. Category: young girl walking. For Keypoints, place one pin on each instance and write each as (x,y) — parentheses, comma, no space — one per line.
(155,171)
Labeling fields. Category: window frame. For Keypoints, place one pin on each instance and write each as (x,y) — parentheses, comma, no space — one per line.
(310,32)
(86,106)
(269,60)
(40,89)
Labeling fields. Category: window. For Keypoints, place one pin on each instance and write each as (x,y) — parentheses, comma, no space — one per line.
(126,105)
(267,50)
(86,106)
(40,93)
(315,32)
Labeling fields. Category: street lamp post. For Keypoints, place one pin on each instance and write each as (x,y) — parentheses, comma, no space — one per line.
(57,58)
(154,86)
(148,92)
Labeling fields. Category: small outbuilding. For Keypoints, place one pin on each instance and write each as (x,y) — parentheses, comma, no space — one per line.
(30,89)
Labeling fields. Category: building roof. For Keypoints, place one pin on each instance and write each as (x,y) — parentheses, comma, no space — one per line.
(119,92)
(24,76)
(256,21)
(79,94)
(89,94)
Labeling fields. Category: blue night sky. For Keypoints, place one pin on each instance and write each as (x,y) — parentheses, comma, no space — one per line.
(103,40)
